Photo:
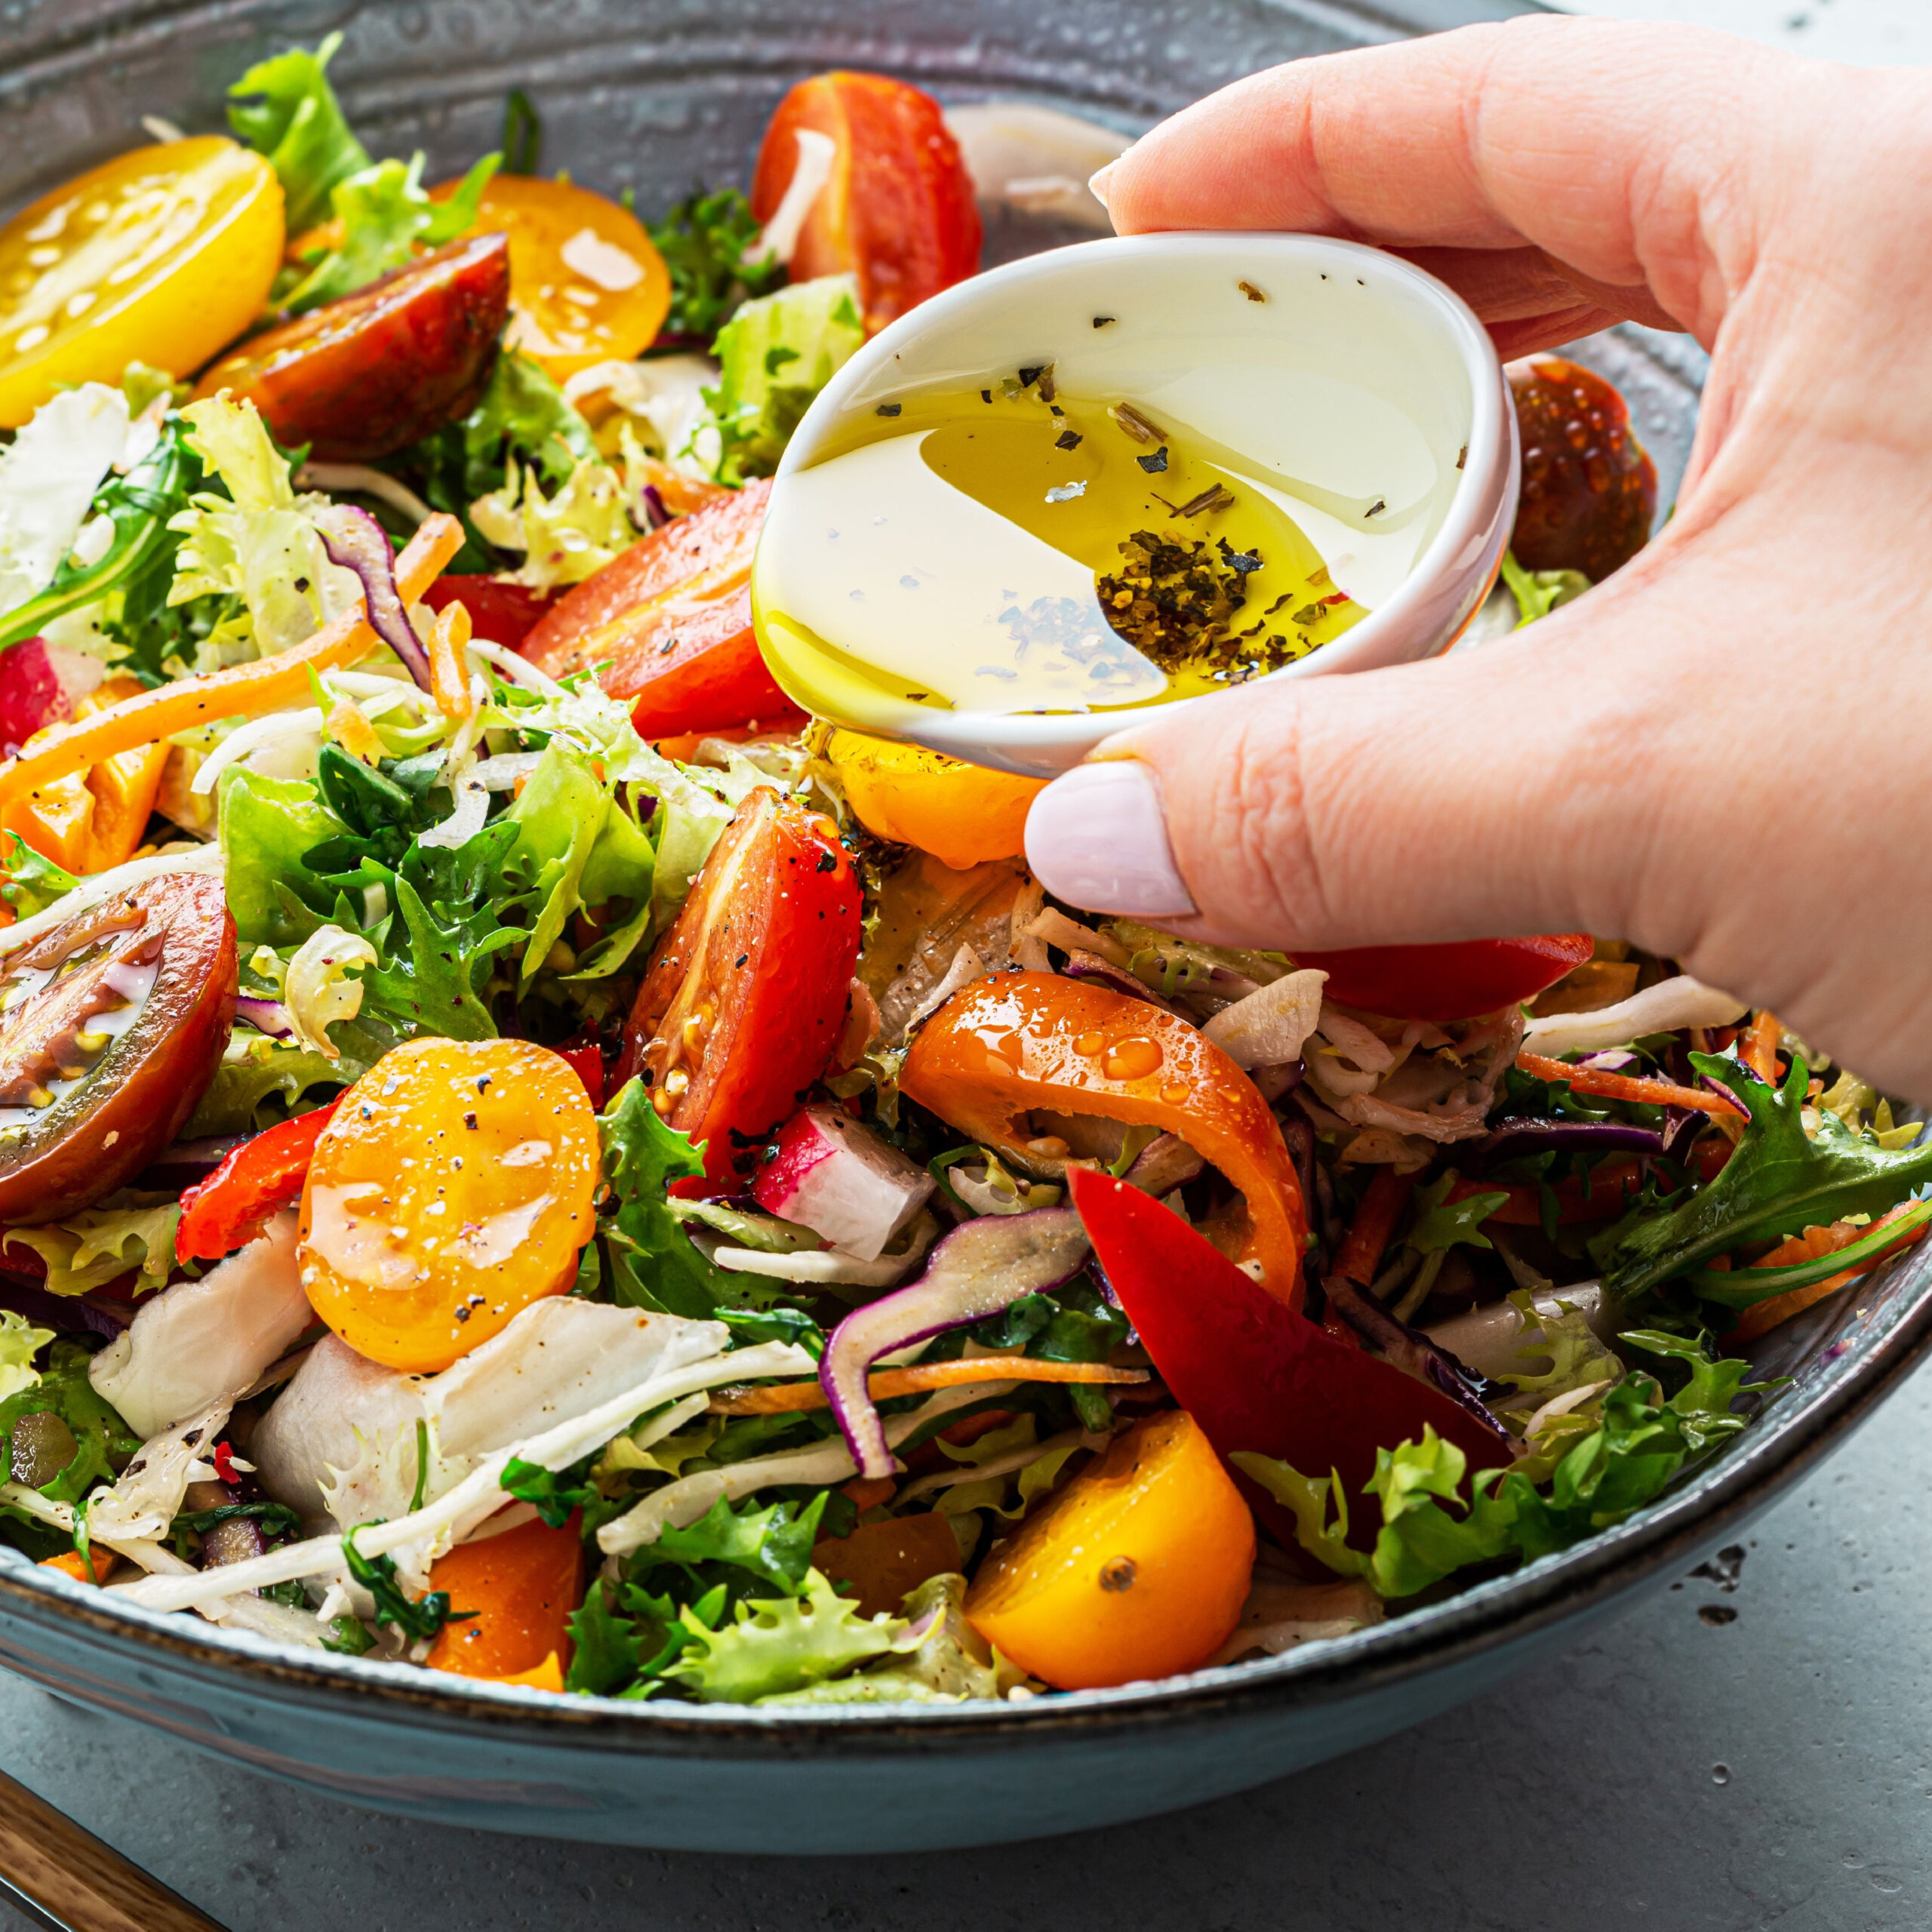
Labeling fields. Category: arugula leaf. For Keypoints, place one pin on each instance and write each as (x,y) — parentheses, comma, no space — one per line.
(703,240)
(1441,1223)
(654,1264)
(772,1546)
(30,884)
(349,1636)
(420,1618)
(605,1649)
(775,1324)
(774,356)
(285,110)
(784,1644)
(1778,1181)
(553,1492)
(430,986)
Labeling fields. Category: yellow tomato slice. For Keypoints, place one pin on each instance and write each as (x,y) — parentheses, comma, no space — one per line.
(961,813)
(451,1189)
(164,256)
(586,283)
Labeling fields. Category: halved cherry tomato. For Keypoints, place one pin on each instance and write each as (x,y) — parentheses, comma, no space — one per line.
(110,1027)
(898,209)
(379,369)
(742,1005)
(883,1562)
(1137,1568)
(451,1188)
(162,255)
(91,821)
(520,1589)
(1022,1040)
(1254,1374)
(961,813)
(1589,490)
(260,1178)
(587,285)
(1455,981)
(670,623)
(500,613)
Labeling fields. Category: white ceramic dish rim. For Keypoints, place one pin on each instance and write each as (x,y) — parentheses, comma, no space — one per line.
(1454,573)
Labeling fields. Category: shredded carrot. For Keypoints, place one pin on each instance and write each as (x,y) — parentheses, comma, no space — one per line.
(1813,1243)
(867,1493)
(778,1397)
(348,724)
(1759,1048)
(1367,1239)
(449,675)
(1623,1087)
(242,690)
(70,1562)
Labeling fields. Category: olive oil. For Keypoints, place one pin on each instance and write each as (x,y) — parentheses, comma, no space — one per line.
(1010,549)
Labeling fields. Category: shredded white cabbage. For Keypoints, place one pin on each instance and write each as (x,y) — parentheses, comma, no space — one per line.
(1268,1027)
(48,476)
(251,737)
(1662,1009)
(318,990)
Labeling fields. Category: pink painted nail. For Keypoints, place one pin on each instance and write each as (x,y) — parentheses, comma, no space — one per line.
(1098,837)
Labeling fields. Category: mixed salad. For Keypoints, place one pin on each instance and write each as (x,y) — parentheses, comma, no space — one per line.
(520,1153)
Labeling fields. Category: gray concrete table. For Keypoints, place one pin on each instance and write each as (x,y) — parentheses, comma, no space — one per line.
(1748,1748)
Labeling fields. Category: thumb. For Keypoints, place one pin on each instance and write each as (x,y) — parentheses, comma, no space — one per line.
(1471,796)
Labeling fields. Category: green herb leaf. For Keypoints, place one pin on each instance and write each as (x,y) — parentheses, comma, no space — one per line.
(1440,1222)
(420,1618)
(553,1492)
(770,1546)
(31,884)
(784,1644)
(285,110)
(1538,592)
(605,1648)
(703,241)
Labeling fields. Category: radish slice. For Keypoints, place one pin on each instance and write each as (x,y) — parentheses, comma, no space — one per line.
(975,1271)
(40,685)
(834,1176)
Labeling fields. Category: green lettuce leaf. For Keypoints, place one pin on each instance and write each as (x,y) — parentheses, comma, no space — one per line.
(285,110)
(774,356)
(1538,592)
(1441,1223)
(271,1083)
(784,1644)
(385,211)
(605,1647)
(703,241)
(20,1341)
(100,1244)
(1778,1181)
(565,536)
(102,1442)
(771,1547)
(29,883)
(267,826)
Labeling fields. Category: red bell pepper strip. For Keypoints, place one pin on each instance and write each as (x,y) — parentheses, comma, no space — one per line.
(586,1059)
(1253,1372)
(501,613)
(258,1178)
(1455,981)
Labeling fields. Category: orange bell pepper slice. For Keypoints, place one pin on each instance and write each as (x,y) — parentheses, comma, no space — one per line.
(91,821)
(521,1589)
(1022,1040)
(242,690)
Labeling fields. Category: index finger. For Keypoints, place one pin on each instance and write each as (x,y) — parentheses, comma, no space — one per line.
(1577,152)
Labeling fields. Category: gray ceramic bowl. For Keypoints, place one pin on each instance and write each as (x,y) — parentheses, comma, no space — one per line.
(659,95)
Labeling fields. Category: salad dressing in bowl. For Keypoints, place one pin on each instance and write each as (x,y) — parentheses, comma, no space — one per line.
(1130,473)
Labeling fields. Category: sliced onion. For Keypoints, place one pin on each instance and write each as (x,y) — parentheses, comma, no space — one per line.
(1165,1164)
(656,516)
(1082,964)
(355,541)
(977,1270)
(266,1016)
(1526,1134)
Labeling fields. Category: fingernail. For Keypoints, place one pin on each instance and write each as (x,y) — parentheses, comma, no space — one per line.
(1096,182)
(1098,837)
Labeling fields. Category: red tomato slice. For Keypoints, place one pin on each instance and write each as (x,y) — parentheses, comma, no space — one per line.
(670,623)
(500,613)
(1455,981)
(899,209)
(745,996)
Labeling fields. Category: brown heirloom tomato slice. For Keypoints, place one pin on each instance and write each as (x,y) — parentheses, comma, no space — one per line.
(379,369)
(670,623)
(110,1027)
(744,998)
(1589,490)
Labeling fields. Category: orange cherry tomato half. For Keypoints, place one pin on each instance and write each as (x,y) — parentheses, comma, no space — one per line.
(520,1589)
(1017,1041)
(163,255)
(587,285)
(451,1189)
(961,813)
(883,1562)
(1138,1568)
(746,994)
(379,370)
(669,622)
(898,209)
(1455,981)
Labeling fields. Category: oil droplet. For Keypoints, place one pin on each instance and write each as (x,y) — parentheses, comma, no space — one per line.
(1133,1058)
(1175,1092)
(1118,1573)
(1089,1044)
(1720,1774)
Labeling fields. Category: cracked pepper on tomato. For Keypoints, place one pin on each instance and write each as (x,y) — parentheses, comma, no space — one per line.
(523,1153)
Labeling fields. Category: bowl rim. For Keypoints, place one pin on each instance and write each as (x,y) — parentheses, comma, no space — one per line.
(1458,565)
(1786,1437)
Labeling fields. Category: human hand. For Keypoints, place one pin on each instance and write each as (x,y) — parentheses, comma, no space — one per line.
(1717,753)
